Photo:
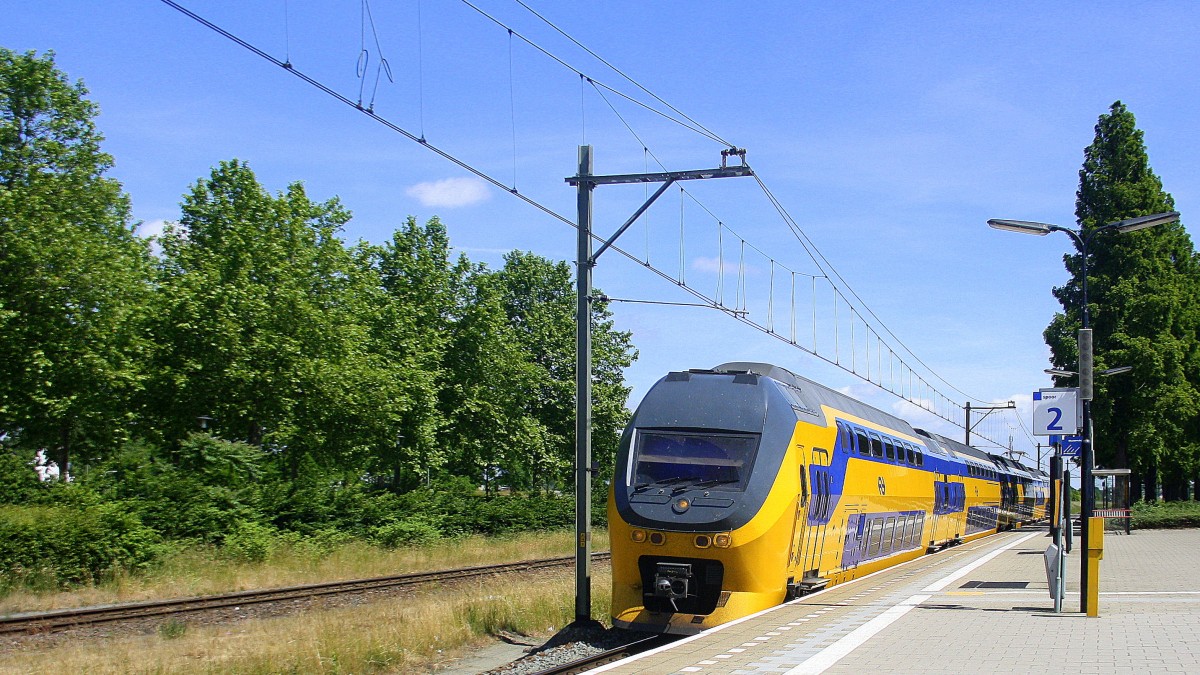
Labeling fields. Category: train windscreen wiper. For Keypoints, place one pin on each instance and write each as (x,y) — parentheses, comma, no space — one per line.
(701,484)
(714,481)
(659,483)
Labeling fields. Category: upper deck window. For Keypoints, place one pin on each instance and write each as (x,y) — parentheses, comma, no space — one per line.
(844,441)
(876,445)
(722,461)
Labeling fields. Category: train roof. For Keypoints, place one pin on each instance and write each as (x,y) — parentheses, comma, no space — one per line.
(816,394)
(1000,462)
(813,395)
(961,449)
(1014,466)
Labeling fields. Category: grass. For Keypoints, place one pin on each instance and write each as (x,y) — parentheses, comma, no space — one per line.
(206,570)
(394,635)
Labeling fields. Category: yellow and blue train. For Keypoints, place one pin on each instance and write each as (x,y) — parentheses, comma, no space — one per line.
(740,487)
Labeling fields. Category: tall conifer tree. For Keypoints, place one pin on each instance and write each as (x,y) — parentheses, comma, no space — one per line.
(1144,297)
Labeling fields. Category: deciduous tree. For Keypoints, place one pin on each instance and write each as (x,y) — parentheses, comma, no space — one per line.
(258,321)
(72,273)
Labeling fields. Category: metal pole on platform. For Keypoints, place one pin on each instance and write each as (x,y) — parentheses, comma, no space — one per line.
(1082,240)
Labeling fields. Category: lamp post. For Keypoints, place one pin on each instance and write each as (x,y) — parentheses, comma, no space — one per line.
(1082,240)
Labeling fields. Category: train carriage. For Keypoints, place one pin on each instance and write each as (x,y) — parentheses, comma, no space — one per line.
(741,486)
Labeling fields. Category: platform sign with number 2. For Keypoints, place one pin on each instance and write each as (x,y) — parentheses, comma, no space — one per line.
(1056,411)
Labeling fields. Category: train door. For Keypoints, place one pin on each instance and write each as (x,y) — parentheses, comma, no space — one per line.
(815,521)
(854,544)
(800,524)
(935,521)
(946,528)
(957,506)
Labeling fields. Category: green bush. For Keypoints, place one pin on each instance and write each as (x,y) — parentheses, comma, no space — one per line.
(207,495)
(458,509)
(18,481)
(413,531)
(250,542)
(55,546)
(1165,515)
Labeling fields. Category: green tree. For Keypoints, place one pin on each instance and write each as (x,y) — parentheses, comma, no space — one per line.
(259,322)
(1144,298)
(73,275)
(488,427)
(410,332)
(539,300)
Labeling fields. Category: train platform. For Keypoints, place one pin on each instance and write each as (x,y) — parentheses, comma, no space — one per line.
(983,607)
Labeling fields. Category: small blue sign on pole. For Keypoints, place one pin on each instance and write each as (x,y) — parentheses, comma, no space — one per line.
(1070,446)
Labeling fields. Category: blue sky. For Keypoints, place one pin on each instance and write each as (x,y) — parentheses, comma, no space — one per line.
(890,132)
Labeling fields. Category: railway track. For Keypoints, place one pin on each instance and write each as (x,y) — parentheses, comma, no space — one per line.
(63,619)
(596,660)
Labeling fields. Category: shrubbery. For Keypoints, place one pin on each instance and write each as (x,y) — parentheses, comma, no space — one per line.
(51,546)
(1162,515)
(414,530)
(122,515)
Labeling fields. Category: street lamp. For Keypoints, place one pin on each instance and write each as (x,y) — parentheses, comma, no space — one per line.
(1082,240)
(1058,372)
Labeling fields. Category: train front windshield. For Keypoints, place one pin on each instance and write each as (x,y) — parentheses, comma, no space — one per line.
(665,458)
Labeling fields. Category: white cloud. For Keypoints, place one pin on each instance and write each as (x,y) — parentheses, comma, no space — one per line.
(450,192)
(150,228)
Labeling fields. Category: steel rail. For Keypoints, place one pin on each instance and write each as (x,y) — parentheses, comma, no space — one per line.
(56,620)
(596,660)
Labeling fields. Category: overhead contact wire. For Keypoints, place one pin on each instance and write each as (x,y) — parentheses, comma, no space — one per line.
(733,312)
(698,126)
(687,125)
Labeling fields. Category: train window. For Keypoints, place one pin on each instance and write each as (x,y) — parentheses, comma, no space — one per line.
(888,450)
(674,458)
(876,445)
(876,533)
(803,487)
(889,534)
(864,446)
(818,507)
(911,453)
(828,495)
(920,458)
(910,531)
(843,439)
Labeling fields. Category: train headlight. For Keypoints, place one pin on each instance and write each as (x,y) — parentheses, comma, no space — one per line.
(703,541)
(723,540)
(638,536)
(658,538)
(682,504)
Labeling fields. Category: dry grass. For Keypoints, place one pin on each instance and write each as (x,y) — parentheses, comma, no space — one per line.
(387,636)
(203,571)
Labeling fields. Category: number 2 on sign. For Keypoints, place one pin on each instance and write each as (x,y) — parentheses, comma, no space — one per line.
(1054,425)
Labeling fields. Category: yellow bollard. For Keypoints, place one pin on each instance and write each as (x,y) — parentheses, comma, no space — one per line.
(1095,554)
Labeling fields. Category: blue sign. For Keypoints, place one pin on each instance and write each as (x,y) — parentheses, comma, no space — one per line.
(1069,446)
